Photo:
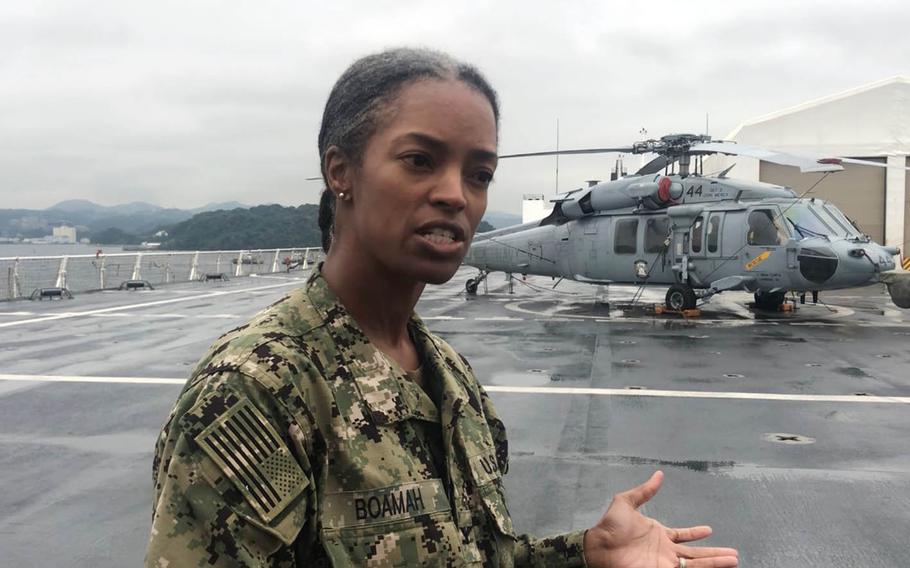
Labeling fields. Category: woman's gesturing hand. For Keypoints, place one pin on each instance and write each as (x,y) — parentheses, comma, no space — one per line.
(624,538)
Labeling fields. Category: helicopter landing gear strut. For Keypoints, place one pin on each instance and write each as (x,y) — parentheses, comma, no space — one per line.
(681,297)
(471,285)
(769,301)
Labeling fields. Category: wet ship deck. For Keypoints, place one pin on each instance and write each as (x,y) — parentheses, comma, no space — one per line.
(595,396)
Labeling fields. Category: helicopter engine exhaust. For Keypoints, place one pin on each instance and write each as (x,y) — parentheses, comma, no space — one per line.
(898,284)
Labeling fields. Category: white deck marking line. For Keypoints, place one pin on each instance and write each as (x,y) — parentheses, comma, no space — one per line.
(165,316)
(771,397)
(699,394)
(83,379)
(67,315)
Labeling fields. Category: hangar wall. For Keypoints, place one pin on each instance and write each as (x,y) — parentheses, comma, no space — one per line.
(906,244)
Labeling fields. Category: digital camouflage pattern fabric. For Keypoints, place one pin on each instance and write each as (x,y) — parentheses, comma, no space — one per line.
(297,443)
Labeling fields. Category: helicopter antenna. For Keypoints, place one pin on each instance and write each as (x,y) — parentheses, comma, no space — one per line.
(643,134)
(706,124)
(557,155)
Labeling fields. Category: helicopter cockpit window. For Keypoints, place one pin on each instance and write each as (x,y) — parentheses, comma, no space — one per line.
(656,230)
(842,228)
(713,233)
(763,229)
(626,235)
(806,222)
(697,232)
(852,230)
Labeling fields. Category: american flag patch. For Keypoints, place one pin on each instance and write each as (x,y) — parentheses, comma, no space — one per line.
(252,455)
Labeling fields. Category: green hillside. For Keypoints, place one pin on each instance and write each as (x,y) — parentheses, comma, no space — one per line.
(265,226)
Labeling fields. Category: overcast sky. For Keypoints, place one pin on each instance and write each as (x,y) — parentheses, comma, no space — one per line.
(183,103)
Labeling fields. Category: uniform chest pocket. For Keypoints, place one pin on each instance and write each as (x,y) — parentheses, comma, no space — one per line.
(401,525)
(488,483)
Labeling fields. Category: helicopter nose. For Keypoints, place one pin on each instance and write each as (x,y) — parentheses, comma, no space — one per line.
(817,263)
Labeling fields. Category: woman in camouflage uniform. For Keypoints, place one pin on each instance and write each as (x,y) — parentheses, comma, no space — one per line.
(334,429)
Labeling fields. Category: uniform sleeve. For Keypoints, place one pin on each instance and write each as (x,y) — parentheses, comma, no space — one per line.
(230,490)
(565,550)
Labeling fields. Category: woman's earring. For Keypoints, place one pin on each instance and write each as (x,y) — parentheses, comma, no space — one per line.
(341,195)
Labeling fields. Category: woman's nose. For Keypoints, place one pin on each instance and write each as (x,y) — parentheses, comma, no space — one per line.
(449,192)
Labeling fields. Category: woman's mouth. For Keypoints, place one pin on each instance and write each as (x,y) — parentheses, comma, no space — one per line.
(439,236)
(442,241)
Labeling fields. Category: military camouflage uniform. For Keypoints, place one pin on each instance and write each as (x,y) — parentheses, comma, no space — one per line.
(297,443)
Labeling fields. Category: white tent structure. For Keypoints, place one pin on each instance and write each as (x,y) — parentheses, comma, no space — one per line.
(870,122)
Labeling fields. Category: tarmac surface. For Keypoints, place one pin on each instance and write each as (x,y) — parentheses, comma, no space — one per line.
(789,433)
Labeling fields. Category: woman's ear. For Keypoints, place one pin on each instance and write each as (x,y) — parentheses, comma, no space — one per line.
(338,172)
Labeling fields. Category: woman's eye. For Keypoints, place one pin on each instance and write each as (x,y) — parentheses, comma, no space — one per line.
(420,161)
(484,177)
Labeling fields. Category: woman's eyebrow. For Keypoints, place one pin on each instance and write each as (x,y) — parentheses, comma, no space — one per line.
(437,145)
(430,142)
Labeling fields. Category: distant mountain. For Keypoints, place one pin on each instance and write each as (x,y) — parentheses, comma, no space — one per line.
(91,219)
(74,205)
(223,206)
(501,220)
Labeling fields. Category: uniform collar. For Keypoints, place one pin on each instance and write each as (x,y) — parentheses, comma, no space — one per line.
(390,396)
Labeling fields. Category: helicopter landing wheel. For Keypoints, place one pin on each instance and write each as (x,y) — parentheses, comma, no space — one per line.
(680,297)
(770,301)
(471,286)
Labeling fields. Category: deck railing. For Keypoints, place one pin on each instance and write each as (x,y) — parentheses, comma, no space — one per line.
(21,276)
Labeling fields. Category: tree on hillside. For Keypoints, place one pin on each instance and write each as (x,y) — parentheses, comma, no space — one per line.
(114,236)
(265,226)
(484,227)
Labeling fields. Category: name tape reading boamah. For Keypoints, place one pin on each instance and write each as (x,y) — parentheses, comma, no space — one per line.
(355,508)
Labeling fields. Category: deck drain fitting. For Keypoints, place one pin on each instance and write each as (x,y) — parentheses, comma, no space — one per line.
(813,364)
(699,337)
(631,361)
(884,356)
(547,349)
(537,370)
(734,376)
(861,394)
(627,342)
(635,388)
(785,438)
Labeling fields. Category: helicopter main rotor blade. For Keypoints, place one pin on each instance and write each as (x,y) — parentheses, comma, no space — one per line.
(624,150)
(868,163)
(654,166)
(805,163)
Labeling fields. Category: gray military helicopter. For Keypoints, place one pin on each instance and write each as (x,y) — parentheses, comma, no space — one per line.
(670,225)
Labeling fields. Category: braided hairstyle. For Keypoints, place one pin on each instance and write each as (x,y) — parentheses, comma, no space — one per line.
(364,91)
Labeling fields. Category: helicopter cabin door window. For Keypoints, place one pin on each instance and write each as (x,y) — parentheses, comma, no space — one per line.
(697,233)
(713,233)
(763,228)
(656,231)
(625,236)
